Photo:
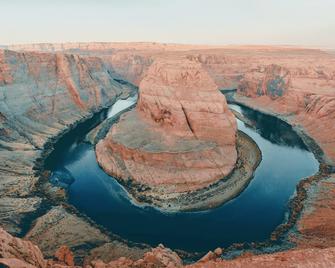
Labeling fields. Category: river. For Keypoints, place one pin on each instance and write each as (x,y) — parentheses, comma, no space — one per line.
(250,217)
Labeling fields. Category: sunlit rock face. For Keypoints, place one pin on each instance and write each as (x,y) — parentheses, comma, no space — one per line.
(179,96)
(42,94)
(181,137)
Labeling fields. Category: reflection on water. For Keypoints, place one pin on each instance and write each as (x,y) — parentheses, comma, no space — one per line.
(251,216)
(121,105)
(271,128)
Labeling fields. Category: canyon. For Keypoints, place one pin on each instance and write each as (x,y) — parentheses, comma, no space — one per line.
(47,89)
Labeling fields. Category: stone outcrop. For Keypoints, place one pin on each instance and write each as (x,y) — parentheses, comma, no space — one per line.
(115,250)
(64,255)
(273,82)
(14,210)
(58,228)
(181,137)
(291,258)
(16,248)
(77,238)
(159,257)
(17,253)
(315,226)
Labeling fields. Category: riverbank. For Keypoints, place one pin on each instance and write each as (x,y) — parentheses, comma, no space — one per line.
(311,143)
(305,205)
(36,106)
(233,248)
(54,210)
(106,248)
(215,195)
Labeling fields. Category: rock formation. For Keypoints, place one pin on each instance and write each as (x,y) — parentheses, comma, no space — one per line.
(17,253)
(305,99)
(58,226)
(44,94)
(315,227)
(180,138)
(291,258)
(273,82)
(25,251)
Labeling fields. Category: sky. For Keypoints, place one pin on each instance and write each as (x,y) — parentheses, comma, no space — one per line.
(217,22)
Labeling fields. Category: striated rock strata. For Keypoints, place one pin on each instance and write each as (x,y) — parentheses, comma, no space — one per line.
(306,100)
(180,138)
(43,95)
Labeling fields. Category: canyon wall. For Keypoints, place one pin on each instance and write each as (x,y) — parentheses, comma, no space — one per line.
(294,83)
(42,95)
(305,99)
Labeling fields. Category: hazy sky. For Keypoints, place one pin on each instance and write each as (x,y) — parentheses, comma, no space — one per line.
(295,22)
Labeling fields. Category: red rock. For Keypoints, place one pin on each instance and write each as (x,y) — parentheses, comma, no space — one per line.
(64,255)
(272,81)
(315,226)
(290,258)
(307,102)
(17,253)
(159,257)
(15,248)
(210,256)
(182,135)
(14,263)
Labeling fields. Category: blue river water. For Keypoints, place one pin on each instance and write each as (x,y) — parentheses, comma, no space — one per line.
(250,217)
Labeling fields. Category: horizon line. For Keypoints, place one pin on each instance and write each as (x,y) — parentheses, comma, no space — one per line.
(8,45)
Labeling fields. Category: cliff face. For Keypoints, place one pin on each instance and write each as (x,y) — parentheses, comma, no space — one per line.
(305,98)
(180,138)
(181,98)
(41,95)
(272,81)
(316,228)
(130,66)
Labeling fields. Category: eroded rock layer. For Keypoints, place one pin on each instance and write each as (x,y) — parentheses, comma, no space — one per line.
(181,137)
(42,95)
(305,99)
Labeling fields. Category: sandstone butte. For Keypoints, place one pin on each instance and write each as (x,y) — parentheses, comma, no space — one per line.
(181,137)
(44,94)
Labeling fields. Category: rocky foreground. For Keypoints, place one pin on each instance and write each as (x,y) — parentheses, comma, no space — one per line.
(44,94)
(18,253)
